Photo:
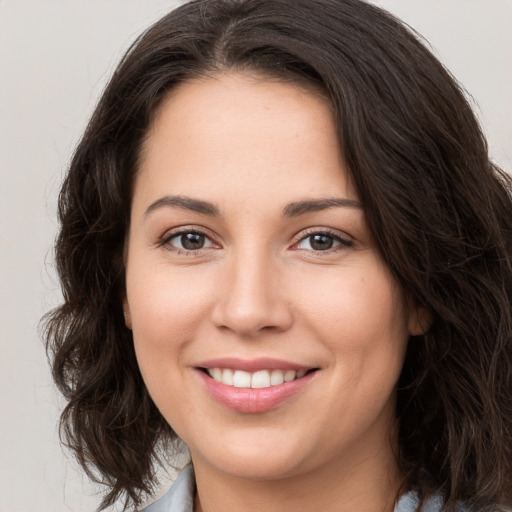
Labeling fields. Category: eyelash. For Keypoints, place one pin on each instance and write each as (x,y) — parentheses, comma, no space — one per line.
(167,237)
(344,243)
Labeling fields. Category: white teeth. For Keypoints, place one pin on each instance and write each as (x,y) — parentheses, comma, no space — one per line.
(241,379)
(257,380)
(227,376)
(290,375)
(276,377)
(260,379)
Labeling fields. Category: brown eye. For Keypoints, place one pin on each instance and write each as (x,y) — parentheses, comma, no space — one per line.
(192,241)
(189,241)
(322,241)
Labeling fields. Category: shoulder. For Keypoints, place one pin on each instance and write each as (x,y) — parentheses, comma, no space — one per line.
(180,497)
(409,503)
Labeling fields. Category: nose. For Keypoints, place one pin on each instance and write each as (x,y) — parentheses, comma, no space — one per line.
(251,297)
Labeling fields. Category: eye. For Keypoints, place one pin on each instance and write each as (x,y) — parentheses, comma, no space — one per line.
(188,241)
(322,241)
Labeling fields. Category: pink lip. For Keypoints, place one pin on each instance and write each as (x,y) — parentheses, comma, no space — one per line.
(249,400)
(253,365)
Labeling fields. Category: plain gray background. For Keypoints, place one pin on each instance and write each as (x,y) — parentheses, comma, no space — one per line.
(55,58)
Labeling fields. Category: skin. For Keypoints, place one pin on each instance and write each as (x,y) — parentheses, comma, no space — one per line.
(250,146)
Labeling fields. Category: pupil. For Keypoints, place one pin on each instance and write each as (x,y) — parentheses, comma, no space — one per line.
(321,242)
(192,241)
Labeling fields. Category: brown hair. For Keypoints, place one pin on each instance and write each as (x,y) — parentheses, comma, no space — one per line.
(440,212)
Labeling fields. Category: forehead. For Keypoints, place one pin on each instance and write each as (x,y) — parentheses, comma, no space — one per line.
(245,131)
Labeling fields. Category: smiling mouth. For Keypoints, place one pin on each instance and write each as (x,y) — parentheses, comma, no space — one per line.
(255,380)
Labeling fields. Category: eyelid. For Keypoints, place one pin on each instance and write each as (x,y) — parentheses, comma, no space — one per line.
(345,240)
(163,240)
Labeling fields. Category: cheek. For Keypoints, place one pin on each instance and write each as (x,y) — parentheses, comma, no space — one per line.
(166,313)
(359,316)
(359,303)
(166,308)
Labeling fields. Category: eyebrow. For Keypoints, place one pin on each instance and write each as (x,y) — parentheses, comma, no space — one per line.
(185,203)
(316,205)
(294,209)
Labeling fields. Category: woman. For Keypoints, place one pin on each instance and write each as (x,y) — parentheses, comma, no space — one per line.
(284,244)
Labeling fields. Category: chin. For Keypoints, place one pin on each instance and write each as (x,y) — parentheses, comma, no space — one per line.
(260,470)
(257,462)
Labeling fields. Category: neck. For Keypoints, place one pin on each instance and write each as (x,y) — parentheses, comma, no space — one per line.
(370,484)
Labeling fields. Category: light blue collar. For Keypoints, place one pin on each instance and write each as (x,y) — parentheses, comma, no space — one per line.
(180,497)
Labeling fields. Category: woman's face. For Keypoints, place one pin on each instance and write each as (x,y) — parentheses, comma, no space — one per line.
(250,263)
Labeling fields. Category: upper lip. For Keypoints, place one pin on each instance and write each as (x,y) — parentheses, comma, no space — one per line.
(252,365)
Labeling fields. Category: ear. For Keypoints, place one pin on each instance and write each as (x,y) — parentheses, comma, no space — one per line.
(420,321)
(127,314)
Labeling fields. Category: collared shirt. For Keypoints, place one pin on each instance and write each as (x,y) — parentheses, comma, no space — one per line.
(180,497)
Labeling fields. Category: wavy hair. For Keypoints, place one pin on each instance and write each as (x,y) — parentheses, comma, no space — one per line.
(440,211)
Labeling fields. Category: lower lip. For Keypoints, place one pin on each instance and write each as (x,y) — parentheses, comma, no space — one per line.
(253,400)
